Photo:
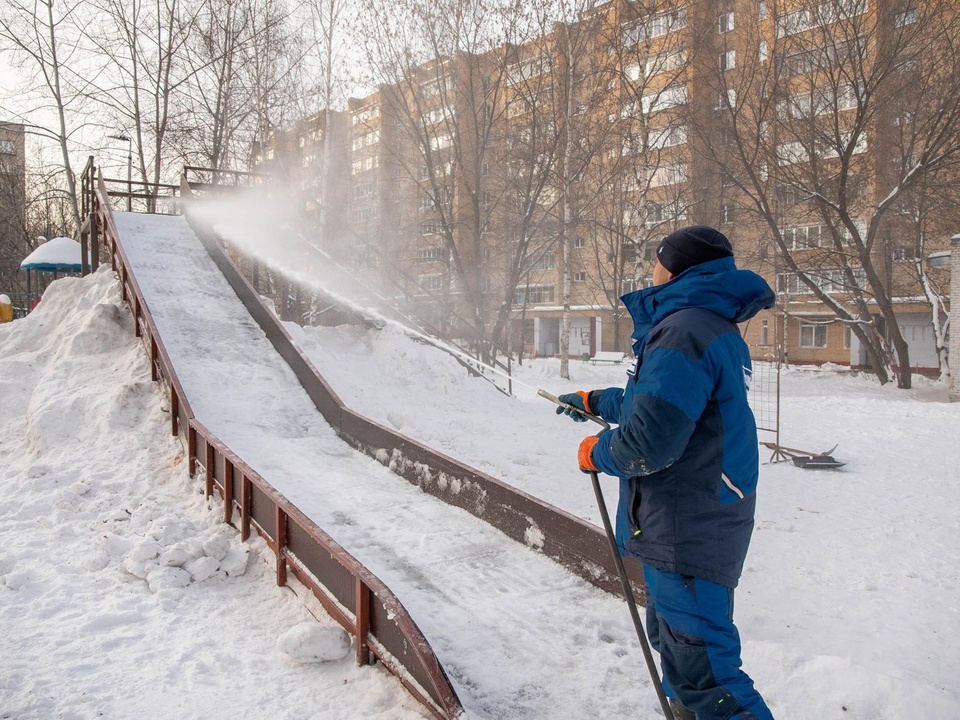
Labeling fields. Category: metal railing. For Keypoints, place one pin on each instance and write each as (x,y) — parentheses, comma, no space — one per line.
(204,179)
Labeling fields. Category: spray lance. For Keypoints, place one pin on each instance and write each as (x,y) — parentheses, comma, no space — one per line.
(618,561)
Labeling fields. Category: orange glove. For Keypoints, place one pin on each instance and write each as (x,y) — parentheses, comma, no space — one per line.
(583,454)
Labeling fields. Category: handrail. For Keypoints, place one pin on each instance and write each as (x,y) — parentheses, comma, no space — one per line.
(353,595)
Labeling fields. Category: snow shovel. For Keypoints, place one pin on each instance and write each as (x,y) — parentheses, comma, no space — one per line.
(804,459)
(621,571)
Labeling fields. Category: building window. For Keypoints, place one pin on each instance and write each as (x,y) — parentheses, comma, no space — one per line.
(580,276)
(428,255)
(669,136)
(658,213)
(726,22)
(762,10)
(364,164)
(663,99)
(661,62)
(847,333)
(533,294)
(431,282)
(429,227)
(6,147)
(764,332)
(545,261)
(764,51)
(790,196)
(906,18)
(669,175)
(903,254)
(579,242)
(675,19)
(727,213)
(364,190)
(828,280)
(813,335)
(727,99)
(806,236)
(363,214)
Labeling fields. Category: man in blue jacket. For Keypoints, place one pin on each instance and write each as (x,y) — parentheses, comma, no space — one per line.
(685,449)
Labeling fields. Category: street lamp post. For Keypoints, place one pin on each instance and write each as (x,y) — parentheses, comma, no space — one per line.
(123,137)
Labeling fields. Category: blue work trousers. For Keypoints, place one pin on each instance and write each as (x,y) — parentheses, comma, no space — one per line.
(690,623)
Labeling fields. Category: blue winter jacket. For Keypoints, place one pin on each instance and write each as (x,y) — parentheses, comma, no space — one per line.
(685,448)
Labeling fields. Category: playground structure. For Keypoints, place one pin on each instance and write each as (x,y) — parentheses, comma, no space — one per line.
(353,595)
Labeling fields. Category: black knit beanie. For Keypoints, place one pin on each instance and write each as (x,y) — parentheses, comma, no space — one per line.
(689,246)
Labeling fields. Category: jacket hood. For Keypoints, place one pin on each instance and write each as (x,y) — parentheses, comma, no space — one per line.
(717,285)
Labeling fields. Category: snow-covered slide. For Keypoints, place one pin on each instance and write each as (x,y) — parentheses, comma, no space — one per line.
(518,635)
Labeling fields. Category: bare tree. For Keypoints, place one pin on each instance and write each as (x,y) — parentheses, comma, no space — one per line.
(328,20)
(43,35)
(144,43)
(446,94)
(642,165)
(828,126)
(233,67)
(584,86)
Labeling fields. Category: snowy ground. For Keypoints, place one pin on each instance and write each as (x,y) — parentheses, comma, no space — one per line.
(848,606)
(850,601)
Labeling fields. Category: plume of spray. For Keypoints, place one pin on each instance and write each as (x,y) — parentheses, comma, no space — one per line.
(263,224)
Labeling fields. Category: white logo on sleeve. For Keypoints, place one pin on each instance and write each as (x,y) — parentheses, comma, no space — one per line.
(747,377)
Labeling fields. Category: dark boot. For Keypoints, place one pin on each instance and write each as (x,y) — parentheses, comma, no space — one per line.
(680,712)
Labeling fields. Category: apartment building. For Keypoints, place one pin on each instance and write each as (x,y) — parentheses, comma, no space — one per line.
(500,193)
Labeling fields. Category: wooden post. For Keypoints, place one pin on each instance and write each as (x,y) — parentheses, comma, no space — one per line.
(113,254)
(136,316)
(192,450)
(246,490)
(94,243)
(153,358)
(174,412)
(84,265)
(227,490)
(363,623)
(281,547)
(211,458)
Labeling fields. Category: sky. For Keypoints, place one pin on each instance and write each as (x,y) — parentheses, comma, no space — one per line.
(116,573)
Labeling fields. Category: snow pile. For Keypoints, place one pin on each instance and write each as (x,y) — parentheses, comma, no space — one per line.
(173,553)
(308,642)
(122,594)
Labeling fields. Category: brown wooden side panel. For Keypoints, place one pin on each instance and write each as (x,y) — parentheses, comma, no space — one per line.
(322,563)
(263,512)
(577,545)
